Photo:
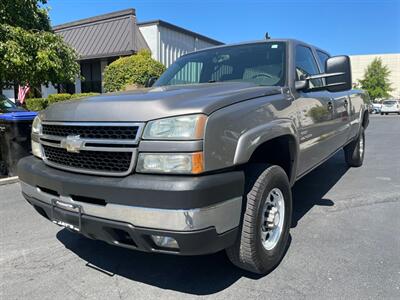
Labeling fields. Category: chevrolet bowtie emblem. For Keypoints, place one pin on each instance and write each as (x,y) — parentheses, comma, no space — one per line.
(72,143)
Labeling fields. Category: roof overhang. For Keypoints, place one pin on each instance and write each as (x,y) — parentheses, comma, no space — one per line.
(109,35)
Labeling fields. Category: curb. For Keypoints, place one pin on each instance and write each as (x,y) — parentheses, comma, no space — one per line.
(9,180)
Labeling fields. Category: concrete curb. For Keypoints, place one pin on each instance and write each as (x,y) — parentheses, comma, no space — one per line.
(9,180)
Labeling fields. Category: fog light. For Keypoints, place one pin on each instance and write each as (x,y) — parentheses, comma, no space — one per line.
(37,149)
(165,242)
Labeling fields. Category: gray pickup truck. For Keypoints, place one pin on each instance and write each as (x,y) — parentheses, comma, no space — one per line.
(204,160)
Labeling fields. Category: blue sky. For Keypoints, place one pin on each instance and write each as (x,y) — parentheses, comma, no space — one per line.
(339,26)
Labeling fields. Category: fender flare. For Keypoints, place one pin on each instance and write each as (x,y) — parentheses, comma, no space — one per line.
(253,138)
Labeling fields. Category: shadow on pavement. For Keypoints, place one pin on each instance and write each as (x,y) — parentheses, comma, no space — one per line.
(198,275)
(311,189)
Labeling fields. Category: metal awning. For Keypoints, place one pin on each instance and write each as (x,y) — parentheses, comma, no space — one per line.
(108,35)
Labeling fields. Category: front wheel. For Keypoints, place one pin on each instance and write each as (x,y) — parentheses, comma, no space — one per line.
(354,152)
(264,233)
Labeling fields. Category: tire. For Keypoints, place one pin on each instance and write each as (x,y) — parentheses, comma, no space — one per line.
(354,152)
(249,252)
(381,114)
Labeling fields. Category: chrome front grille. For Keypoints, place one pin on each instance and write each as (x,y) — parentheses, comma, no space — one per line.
(91,148)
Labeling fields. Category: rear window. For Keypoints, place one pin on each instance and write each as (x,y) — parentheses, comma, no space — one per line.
(391,102)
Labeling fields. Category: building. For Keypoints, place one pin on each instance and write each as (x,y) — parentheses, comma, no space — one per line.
(102,39)
(359,64)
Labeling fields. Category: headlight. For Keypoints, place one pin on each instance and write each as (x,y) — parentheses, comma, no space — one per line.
(37,125)
(36,149)
(190,127)
(174,163)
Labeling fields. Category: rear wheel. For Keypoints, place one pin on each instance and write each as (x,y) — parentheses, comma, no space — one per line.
(264,233)
(354,152)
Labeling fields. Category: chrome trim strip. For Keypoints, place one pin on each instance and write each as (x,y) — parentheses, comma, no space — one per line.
(93,172)
(223,216)
(170,146)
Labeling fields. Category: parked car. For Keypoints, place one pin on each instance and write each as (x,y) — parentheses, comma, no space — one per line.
(7,106)
(390,106)
(205,159)
(376,108)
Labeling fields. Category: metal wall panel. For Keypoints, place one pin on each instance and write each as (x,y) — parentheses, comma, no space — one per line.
(173,44)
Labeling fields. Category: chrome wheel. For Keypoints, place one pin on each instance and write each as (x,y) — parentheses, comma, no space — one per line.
(272,219)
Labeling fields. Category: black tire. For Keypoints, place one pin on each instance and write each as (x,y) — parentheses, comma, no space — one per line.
(354,152)
(381,114)
(248,251)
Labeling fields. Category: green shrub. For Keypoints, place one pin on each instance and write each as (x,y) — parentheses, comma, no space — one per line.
(36,104)
(82,95)
(53,98)
(135,69)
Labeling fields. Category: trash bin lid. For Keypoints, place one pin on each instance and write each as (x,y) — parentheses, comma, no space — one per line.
(18,116)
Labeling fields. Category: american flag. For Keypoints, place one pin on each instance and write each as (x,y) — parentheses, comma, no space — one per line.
(22,91)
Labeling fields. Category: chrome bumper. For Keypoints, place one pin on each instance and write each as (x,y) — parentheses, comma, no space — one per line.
(222,216)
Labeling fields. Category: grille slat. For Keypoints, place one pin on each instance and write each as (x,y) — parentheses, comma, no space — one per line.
(100,161)
(92,132)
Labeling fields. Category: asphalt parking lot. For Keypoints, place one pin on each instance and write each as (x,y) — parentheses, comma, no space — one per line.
(345,243)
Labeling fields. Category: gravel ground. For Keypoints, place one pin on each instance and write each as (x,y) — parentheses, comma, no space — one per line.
(345,243)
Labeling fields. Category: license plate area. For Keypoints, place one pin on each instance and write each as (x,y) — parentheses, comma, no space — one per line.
(60,214)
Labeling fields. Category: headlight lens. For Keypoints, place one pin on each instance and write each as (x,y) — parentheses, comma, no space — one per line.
(190,127)
(174,163)
(37,125)
(37,149)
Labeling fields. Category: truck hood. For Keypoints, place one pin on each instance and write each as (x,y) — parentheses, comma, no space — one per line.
(154,103)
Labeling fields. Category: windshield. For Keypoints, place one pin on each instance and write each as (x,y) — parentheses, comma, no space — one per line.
(6,104)
(261,64)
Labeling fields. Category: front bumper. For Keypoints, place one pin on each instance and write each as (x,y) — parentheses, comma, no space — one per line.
(201,213)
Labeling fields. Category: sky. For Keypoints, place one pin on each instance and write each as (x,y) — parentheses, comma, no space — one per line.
(338,26)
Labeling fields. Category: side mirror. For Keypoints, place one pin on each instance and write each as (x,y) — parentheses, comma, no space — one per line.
(151,81)
(342,82)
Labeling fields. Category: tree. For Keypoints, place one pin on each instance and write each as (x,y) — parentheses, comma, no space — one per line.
(376,80)
(131,70)
(30,53)
(27,14)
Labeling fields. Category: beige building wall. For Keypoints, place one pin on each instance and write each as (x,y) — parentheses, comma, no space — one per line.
(359,64)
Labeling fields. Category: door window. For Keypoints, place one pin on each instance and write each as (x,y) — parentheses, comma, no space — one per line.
(306,65)
(322,56)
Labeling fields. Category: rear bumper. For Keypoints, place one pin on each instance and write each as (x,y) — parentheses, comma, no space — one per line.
(201,213)
(390,110)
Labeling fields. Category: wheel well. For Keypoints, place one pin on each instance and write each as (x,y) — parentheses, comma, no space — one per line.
(279,151)
(365,119)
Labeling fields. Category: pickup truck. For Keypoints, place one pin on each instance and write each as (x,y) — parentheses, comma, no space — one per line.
(205,158)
